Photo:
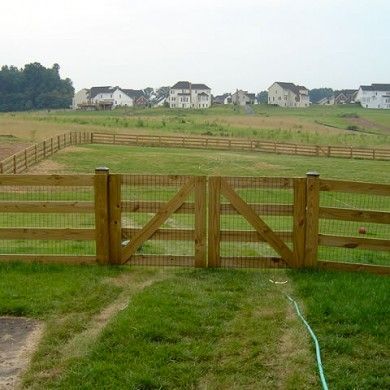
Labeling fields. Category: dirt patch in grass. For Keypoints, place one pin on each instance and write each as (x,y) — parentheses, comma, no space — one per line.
(9,148)
(18,340)
(47,167)
(367,124)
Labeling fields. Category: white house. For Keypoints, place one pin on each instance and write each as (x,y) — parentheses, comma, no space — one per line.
(80,97)
(110,95)
(288,95)
(374,96)
(187,95)
(226,98)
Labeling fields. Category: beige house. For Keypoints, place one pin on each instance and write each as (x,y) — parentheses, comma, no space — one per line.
(187,95)
(288,95)
(242,98)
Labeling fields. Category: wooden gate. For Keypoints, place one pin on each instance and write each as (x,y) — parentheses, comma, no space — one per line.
(165,222)
(247,203)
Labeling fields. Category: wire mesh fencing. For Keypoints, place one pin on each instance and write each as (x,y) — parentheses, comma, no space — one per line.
(354,223)
(47,217)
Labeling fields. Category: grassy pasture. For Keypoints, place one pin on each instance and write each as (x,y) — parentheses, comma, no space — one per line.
(313,125)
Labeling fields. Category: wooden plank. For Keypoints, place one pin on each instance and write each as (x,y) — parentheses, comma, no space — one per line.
(214,222)
(154,180)
(354,242)
(164,234)
(47,180)
(102,216)
(46,207)
(162,260)
(261,227)
(312,219)
(354,215)
(299,222)
(114,223)
(261,209)
(251,236)
(46,234)
(355,187)
(57,259)
(262,182)
(200,222)
(354,267)
(252,262)
(161,216)
(153,207)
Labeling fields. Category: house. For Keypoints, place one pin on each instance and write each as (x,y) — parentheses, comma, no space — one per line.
(326,101)
(288,95)
(107,97)
(242,98)
(374,96)
(345,96)
(187,95)
(226,98)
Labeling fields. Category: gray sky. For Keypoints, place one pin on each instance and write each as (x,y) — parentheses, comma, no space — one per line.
(226,44)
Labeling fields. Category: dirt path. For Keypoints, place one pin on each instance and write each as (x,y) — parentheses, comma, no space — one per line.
(9,148)
(18,340)
(365,123)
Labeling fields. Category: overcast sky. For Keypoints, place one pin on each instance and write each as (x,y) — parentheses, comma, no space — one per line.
(226,44)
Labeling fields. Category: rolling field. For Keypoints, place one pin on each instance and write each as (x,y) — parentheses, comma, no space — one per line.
(314,125)
(137,328)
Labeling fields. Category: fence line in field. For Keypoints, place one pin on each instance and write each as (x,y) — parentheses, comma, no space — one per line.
(257,222)
(20,161)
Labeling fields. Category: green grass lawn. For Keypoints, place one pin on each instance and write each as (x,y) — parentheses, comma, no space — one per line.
(206,329)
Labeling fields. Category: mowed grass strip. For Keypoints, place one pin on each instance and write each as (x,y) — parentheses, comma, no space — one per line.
(154,160)
(350,313)
(210,329)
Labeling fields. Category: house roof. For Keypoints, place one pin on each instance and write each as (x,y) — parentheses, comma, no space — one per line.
(96,90)
(133,93)
(182,85)
(292,87)
(188,85)
(376,87)
(200,86)
(203,94)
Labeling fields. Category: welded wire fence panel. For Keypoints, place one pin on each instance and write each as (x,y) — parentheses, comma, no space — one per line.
(271,200)
(172,241)
(354,227)
(46,219)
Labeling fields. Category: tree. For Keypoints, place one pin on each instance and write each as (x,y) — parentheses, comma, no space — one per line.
(34,87)
(317,94)
(262,97)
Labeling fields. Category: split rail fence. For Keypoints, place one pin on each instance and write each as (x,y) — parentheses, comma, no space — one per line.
(21,161)
(248,222)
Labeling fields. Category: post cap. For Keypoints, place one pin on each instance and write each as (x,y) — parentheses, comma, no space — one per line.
(312,174)
(102,169)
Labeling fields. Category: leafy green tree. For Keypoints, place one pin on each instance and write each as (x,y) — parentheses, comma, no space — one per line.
(262,97)
(34,87)
(317,94)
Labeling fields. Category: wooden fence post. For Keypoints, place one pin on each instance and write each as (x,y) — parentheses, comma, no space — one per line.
(312,218)
(101,215)
(200,222)
(114,221)
(299,222)
(214,258)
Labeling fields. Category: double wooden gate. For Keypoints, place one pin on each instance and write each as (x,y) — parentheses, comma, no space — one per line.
(200,221)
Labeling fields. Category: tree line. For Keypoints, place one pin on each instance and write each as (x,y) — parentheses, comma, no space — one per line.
(34,87)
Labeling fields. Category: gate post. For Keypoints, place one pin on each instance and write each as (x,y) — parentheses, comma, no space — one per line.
(200,222)
(299,222)
(114,218)
(214,258)
(312,218)
(101,215)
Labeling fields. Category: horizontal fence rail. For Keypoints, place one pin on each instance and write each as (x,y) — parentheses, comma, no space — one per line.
(21,161)
(256,222)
